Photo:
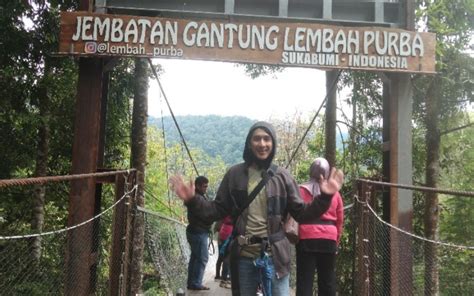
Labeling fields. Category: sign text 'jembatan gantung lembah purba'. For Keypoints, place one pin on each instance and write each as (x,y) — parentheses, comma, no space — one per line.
(277,43)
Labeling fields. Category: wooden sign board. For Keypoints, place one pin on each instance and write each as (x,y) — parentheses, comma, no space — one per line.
(247,41)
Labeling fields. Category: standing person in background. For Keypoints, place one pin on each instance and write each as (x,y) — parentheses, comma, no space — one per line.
(224,232)
(224,229)
(216,228)
(197,234)
(319,238)
(260,246)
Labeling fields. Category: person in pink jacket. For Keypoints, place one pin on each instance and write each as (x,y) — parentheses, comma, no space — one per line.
(319,239)
(225,230)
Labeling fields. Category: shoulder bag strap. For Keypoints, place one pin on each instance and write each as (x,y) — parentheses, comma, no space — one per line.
(266,175)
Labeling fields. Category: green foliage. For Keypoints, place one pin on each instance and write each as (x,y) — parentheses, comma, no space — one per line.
(162,163)
(456,272)
(29,74)
(458,172)
(215,135)
(119,114)
(361,156)
(452,22)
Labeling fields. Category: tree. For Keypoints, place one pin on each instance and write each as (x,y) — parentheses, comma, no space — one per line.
(457,211)
(31,85)
(443,96)
(291,136)
(138,161)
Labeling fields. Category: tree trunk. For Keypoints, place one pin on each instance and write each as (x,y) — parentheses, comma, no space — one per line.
(431,214)
(138,161)
(41,170)
(331,114)
(352,131)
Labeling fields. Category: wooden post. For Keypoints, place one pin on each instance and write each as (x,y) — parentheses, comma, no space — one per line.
(372,236)
(331,112)
(118,235)
(386,178)
(128,240)
(363,280)
(401,200)
(84,160)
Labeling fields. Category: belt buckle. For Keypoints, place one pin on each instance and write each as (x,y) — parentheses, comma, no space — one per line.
(242,240)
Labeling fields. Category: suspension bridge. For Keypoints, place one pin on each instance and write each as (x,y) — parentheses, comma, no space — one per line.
(107,237)
(373,244)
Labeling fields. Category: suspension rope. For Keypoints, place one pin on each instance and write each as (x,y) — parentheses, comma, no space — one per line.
(343,147)
(348,207)
(160,215)
(420,188)
(314,118)
(71,227)
(165,153)
(172,115)
(408,233)
(161,202)
(42,180)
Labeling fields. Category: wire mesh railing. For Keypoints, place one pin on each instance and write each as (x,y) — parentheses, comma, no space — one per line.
(43,263)
(166,260)
(392,261)
(386,257)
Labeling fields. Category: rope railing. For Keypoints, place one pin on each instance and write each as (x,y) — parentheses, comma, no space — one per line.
(165,263)
(70,227)
(419,188)
(43,180)
(392,260)
(376,216)
(27,270)
(161,216)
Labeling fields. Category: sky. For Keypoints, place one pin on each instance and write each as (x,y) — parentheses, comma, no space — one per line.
(218,88)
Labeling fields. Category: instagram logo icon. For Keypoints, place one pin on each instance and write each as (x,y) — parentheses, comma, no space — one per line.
(90,47)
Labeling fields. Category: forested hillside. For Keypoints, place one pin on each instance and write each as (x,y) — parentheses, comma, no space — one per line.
(215,135)
(222,136)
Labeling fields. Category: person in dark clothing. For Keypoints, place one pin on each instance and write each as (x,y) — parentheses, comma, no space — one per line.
(197,234)
(260,249)
(216,228)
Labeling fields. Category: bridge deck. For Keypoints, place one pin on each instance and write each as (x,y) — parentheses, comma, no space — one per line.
(209,281)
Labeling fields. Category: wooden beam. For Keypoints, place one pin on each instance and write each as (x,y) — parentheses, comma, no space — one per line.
(118,234)
(331,116)
(79,279)
(401,200)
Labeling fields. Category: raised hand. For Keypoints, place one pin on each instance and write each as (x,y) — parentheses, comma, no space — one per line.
(334,183)
(184,191)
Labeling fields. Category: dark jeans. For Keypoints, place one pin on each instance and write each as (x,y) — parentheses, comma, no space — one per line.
(222,263)
(199,256)
(250,276)
(306,265)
